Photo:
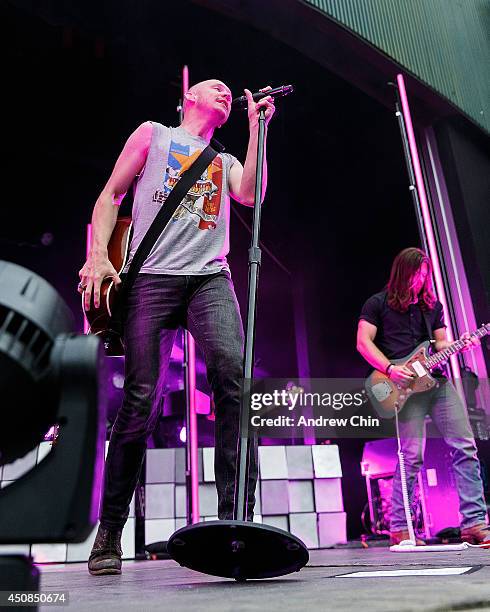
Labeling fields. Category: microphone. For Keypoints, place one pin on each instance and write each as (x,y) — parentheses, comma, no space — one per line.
(276,92)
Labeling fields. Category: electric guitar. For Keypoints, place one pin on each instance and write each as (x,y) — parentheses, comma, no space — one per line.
(389,397)
(99,319)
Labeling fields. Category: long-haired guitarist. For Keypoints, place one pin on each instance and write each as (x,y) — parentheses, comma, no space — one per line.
(391,325)
(185,281)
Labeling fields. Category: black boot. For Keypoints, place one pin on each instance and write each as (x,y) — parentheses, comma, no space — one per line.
(105,557)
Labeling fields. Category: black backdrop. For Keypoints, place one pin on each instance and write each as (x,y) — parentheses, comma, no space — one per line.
(78,80)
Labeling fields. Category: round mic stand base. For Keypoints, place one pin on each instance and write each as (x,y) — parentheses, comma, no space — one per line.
(237,549)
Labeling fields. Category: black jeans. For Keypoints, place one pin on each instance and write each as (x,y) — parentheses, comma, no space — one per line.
(157,305)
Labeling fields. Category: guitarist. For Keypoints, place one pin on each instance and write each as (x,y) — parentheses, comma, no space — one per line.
(185,281)
(393,323)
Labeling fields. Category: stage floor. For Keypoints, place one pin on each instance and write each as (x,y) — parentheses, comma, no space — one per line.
(151,585)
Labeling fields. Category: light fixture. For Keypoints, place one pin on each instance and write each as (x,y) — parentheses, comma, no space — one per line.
(49,376)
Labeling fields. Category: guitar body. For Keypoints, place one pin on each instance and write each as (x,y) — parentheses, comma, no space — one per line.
(99,319)
(388,397)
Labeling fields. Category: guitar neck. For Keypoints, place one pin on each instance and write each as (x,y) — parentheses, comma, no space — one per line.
(453,348)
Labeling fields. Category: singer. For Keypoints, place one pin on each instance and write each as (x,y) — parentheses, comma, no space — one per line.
(185,281)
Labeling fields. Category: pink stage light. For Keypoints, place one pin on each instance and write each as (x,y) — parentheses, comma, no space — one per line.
(183,435)
(424,205)
(192,427)
(88,245)
(185,79)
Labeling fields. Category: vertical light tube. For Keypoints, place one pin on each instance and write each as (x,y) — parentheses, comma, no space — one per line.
(192,432)
(424,205)
(87,248)
(190,373)
(185,81)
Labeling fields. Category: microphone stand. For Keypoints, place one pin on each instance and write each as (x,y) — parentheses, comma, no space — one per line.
(245,442)
(241,549)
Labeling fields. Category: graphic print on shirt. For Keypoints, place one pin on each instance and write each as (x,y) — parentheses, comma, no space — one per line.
(203,199)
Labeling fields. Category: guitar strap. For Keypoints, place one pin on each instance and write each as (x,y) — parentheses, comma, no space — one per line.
(425,314)
(441,369)
(167,210)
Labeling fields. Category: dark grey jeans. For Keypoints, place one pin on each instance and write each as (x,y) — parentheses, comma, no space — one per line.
(157,305)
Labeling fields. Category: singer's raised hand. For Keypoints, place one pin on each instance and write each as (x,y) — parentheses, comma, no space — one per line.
(254,107)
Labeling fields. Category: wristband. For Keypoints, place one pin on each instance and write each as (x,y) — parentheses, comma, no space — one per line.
(388,369)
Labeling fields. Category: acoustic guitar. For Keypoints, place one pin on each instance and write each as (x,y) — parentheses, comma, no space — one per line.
(389,397)
(99,319)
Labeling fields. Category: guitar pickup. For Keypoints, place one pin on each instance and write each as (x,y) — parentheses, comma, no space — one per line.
(419,369)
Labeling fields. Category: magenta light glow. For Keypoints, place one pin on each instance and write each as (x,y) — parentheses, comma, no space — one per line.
(431,243)
(185,79)
(88,245)
(192,428)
